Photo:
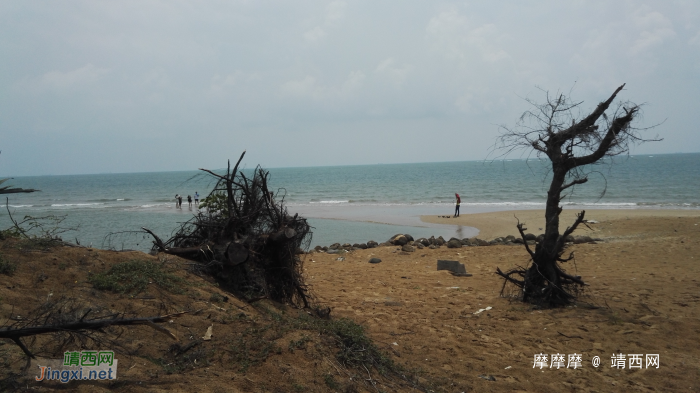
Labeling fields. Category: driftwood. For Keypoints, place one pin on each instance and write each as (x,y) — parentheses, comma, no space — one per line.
(245,238)
(15,334)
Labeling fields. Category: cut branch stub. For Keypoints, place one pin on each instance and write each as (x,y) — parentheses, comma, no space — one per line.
(236,254)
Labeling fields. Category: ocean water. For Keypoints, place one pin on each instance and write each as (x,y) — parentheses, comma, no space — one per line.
(353,203)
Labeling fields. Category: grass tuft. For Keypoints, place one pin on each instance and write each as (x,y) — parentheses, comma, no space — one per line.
(134,276)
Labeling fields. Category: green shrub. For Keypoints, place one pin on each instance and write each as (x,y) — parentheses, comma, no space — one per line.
(6,267)
(132,278)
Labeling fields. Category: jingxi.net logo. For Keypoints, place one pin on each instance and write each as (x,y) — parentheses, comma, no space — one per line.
(84,365)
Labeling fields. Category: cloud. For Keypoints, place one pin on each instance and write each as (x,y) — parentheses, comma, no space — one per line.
(335,11)
(354,81)
(452,34)
(695,40)
(306,87)
(314,34)
(654,30)
(85,75)
(397,74)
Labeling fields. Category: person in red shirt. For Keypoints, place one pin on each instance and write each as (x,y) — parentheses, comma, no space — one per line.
(457,205)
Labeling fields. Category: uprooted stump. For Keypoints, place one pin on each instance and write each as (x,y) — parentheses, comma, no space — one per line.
(244,236)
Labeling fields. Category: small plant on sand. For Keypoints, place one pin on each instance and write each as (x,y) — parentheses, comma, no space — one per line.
(134,276)
(6,267)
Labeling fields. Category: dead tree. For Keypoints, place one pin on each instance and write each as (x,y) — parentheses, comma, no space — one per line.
(246,238)
(571,144)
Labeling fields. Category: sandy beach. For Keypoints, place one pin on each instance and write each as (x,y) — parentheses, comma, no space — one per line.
(498,224)
(641,299)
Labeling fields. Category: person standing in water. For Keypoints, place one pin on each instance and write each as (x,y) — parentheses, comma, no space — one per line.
(196,198)
(457,205)
(177,201)
(189,201)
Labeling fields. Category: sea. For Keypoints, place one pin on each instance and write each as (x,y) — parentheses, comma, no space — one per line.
(346,204)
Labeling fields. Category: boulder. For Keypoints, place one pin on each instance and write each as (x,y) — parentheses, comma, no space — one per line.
(399,240)
(510,238)
(440,241)
(408,248)
(374,260)
(569,239)
(582,239)
(424,241)
(480,242)
(419,245)
(318,248)
(530,236)
(334,246)
(432,240)
(452,266)
(432,247)
(409,237)
(499,240)
(454,243)
(518,240)
(362,246)
(372,244)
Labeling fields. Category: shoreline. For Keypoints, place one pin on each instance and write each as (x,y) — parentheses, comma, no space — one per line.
(503,223)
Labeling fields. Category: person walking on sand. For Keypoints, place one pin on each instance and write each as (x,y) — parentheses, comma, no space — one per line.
(189,201)
(457,205)
(196,198)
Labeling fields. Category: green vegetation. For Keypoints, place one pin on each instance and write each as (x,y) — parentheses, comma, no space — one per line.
(134,276)
(6,267)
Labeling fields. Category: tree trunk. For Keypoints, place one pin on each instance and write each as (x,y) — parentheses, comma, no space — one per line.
(542,280)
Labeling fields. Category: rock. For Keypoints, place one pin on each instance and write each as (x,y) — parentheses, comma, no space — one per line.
(454,243)
(399,240)
(408,248)
(345,246)
(432,240)
(318,248)
(362,246)
(331,251)
(481,242)
(432,247)
(488,377)
(495,242)
(569,239)
(424,241)
(530,236)
(334,246)
(409,237)
(374,260)
(419,246)
(518,240)
(499,240)
(453,266)
(582,239)
(440,241)
(372,244)
(325,248)
(531,242)
(510,238)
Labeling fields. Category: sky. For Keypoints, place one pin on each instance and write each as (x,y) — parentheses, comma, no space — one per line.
(140,86)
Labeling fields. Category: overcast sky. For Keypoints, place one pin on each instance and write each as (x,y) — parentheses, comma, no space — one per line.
(134,86)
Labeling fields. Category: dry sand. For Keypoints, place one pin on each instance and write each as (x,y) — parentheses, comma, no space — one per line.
(643,298)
